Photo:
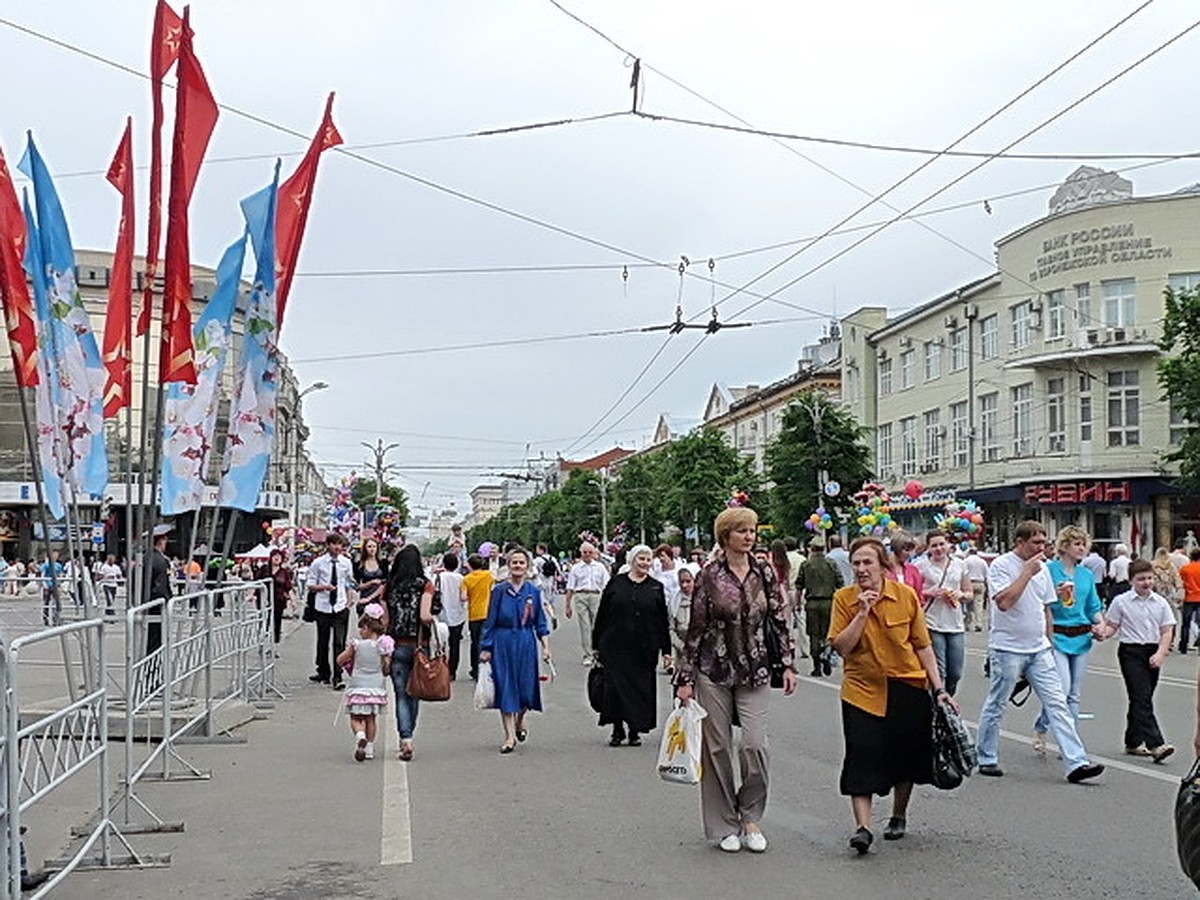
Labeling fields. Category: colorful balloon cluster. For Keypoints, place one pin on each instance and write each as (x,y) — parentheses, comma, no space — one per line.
(962,520)
(343,513)
(874,510)
(387,527)
(738,498)
(819,520)
(588,537)
(620,537)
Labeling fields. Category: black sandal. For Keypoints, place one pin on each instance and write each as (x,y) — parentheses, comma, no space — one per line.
(507,747)
(616,740)
(522,734)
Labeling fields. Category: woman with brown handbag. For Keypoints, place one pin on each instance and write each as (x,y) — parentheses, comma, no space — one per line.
(516,624)
(409,607)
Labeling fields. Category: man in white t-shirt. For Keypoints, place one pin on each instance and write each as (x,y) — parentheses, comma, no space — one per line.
(1019,647)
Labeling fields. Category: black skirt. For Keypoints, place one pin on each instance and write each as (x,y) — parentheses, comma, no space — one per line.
(882,752)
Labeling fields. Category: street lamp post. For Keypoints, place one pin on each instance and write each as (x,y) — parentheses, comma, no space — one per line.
(295,442)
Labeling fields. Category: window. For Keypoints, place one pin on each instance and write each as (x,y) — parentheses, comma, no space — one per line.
(932,426)
(1185,281)
(933,360)
(989,426)
(885,377)
(1085,408)
(1083,305)
(1056,315)
(1179,426)
(1124,399)
(908,446)
(908,365)
(989,343)
(1056,414)
(1118,302)
(883,451)
(1022,401)
(958,349)
(958,434)
(1020,317)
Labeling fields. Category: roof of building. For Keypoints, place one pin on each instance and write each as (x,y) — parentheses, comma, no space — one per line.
(597,462)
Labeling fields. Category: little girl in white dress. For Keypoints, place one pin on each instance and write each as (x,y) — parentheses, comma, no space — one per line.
(366,660)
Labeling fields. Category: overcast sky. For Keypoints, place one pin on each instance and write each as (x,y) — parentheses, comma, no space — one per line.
(916,74)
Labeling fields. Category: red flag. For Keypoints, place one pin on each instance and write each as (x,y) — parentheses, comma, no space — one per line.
(195,119)
(164,50)
(118,320)
(14,291)
(291,210)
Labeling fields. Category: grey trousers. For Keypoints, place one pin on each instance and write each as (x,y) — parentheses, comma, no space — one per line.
(584,605)
(723,806)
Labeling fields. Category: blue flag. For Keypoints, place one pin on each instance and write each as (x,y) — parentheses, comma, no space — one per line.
(190,413)
(252,421)
(75,362)
(49,434)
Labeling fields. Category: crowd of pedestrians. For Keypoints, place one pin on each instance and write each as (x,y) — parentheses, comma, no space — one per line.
(891,614)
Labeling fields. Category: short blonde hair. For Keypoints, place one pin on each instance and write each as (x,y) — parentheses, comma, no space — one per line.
(1069,535)
(732,519)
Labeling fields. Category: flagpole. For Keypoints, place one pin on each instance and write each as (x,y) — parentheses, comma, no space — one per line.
(142,592)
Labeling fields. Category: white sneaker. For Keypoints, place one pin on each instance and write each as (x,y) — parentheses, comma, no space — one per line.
(754,841)
(371,750)
(731,843)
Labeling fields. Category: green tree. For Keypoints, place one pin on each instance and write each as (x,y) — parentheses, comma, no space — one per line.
(1179,376)
(698,474)
(816,436)
(635,497)
(365,494)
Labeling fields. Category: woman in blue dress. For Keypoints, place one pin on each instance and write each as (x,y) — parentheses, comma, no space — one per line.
(516,624)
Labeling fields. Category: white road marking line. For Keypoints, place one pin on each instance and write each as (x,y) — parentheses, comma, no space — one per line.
(1165,680)
(1028,741)
(395,847)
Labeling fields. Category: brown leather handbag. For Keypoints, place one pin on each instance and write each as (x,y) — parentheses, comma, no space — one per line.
(430,675)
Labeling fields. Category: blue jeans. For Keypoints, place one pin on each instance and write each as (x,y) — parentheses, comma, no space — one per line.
(1042,674)
(948,648)
(1071,667)
(406,706)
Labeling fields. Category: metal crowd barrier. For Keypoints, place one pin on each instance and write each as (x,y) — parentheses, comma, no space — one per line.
(58,744)
(216,649)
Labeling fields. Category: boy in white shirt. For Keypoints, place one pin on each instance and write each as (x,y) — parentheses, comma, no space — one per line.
(1144,624)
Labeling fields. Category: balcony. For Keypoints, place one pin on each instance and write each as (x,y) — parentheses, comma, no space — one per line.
(1090,343)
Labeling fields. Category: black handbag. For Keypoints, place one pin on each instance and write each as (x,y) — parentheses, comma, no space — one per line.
(1187,824)
(774,650)
(597,682)
(954,755)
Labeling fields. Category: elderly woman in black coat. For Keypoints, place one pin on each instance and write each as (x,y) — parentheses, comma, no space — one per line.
(630,637)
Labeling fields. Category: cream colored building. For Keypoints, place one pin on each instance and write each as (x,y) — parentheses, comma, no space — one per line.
(1034,389)
(751,416)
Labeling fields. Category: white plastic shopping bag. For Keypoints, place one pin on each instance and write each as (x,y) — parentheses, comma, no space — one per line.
(485,688)
(679,752)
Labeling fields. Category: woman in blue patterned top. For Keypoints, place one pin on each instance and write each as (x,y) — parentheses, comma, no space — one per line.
(1076,614)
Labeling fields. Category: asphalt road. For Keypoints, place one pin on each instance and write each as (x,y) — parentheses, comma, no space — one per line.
(289,814)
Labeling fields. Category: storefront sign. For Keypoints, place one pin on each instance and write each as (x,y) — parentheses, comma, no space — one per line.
(1077,493)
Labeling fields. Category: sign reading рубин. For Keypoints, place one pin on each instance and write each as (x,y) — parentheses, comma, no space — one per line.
(1076,493)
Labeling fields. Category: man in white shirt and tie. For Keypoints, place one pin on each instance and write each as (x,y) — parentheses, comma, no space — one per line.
(585,583)
(329,577)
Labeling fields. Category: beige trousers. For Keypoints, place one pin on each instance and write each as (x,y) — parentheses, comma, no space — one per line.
(724,806)
(585,604)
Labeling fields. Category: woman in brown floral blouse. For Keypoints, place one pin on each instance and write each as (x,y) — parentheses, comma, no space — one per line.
(724,665)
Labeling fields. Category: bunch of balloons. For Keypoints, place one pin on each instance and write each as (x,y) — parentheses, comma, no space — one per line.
(588,537)
(387,526)
(962,520)
(487,549)
(819,520)
(738,498)
(620,537)
(343,513)
(874,510)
